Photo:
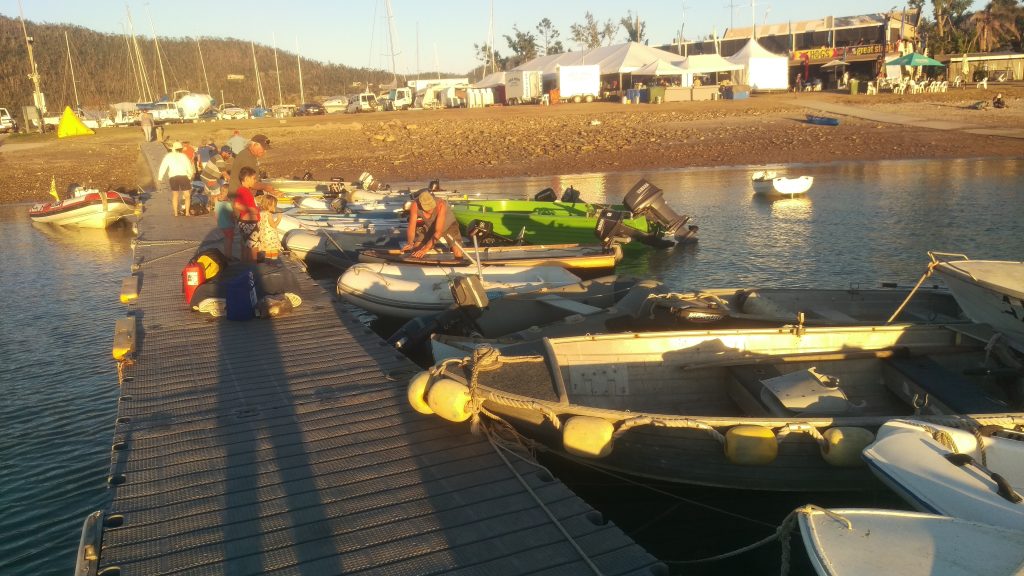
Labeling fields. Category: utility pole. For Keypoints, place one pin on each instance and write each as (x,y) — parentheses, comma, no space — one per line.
(38,100)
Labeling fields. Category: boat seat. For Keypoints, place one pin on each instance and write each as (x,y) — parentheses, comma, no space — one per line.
(832,314)
(946,392)
(570,306)
(763,390)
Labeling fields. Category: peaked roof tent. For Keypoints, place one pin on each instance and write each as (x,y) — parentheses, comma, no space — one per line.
(660,68)
(753,49)
(704,63)
(618,59)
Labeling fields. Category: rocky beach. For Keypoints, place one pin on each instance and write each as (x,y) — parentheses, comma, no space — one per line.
(495,142)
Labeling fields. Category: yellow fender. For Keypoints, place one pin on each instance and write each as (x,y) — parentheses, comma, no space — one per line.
(588,436)
(750,445)
(450,400)
(843,445)
(417,392)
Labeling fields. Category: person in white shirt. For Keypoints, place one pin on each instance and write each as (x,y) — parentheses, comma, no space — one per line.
(179,169)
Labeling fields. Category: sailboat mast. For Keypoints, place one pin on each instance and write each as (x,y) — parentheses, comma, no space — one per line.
(298,58)
(159,58)
(71,64)
(203,65)
(280,98)
(259,85)
(147,92)
(131,64)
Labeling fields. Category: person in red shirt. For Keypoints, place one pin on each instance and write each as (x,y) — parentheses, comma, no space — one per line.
(248,216)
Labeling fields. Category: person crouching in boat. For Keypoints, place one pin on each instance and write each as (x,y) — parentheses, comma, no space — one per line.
(438,221)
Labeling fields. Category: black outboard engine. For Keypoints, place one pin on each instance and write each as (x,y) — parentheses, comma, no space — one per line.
(470,302)
(545,195)
(646,199)
(611,228)
(571,196)
(307,176)
(483,232)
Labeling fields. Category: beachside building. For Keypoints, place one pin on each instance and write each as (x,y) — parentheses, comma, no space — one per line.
(863,42)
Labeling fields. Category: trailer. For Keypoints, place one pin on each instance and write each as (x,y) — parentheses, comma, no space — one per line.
(579,83)
(523,86)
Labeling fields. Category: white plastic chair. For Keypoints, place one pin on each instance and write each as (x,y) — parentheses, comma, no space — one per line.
(871,89)
(983,84)
(944,86)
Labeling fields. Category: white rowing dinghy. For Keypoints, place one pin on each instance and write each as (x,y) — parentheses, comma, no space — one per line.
(953,472)
(873,542)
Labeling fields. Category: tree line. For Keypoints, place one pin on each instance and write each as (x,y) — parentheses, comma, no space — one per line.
(104,74)
(951,28)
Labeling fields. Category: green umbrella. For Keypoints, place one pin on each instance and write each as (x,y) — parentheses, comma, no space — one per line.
(914,59)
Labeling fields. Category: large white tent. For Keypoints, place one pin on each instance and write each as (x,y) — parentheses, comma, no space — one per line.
(659,68)
(618,59)
(762,70)
(699,64)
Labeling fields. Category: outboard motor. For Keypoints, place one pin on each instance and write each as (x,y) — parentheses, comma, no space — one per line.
(545,195)
(611,229)
(571,196)
(470,302)
(307,176)
(646,199)
(483,232)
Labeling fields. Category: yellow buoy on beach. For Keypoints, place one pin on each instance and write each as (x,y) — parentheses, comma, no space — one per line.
(450,400)
(417,391)
(588,436)
(844,444)
(750,445)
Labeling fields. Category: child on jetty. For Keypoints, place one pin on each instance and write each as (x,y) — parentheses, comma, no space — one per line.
(270,240)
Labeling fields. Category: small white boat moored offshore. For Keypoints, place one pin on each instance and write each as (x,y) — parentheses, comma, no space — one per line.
(408,290)
(768,183)
(86,209)
(873,542)
(989,291)
(953,472)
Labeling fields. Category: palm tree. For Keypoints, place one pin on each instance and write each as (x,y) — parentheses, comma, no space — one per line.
(993,25)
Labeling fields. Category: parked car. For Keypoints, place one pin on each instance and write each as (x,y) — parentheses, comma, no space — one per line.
(310,109)
(336,104)
(7,122)
(232,112)
(365,102)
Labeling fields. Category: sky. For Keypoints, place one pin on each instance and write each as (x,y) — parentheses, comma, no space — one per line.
(430,34)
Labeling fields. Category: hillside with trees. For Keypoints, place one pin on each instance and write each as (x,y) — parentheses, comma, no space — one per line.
(104,75)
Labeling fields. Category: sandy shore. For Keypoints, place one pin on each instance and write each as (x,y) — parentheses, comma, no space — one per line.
(532,140)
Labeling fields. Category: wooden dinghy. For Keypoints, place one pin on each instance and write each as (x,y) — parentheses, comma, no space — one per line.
(785,409)
(953,472)
(768,183)
(872,542)
(407,291)
(583,261)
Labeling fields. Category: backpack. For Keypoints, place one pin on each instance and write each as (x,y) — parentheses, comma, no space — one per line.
(212,260)
(241,297)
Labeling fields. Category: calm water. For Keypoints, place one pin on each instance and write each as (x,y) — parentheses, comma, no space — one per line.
(860,224)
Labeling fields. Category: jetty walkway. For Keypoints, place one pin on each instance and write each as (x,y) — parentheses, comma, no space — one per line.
(287,446)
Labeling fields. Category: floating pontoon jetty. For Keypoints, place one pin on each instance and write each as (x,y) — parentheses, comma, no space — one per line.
(287,446)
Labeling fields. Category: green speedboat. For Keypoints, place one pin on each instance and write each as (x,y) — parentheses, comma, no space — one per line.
(545,222)
(644,219)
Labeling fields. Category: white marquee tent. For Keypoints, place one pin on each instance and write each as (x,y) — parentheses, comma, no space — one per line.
(619,59)
(762,70)
(699,64)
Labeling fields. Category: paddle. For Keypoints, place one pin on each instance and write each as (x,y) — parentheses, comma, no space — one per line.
(1003,486)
